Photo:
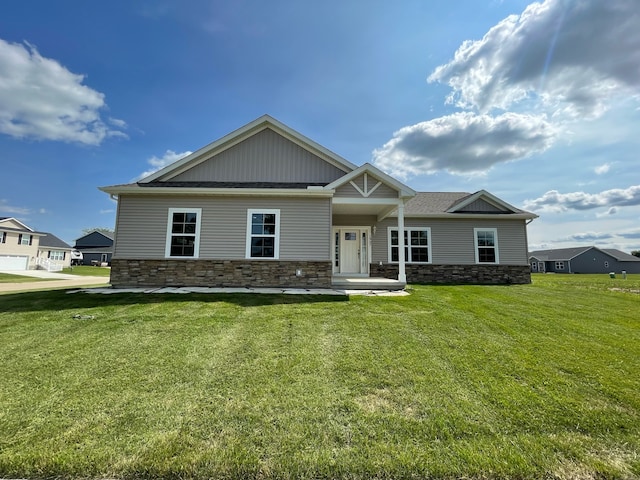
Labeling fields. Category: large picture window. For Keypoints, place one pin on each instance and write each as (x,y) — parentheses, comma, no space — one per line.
(486,241)
(417,245)
(183,232)
(56,255)
(263,233)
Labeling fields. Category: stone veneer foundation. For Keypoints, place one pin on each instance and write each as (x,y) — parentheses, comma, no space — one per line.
(219,273)
(473,274)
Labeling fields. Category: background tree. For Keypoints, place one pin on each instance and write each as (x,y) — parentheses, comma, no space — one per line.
(635,253)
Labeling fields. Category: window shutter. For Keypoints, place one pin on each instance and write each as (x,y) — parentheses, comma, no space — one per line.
(30,239)
(20,239)
(64,256)
(49,254)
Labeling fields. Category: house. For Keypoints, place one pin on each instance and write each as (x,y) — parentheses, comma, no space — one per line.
(267,206)
(22,248)
(18,245)
(53,253)
(583,260)
(96,248)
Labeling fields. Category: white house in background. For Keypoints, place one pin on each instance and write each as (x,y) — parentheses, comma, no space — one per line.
(267,206)
(22,248)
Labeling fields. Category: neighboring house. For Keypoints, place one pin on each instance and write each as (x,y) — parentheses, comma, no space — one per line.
(18,245)
(53,253)
(266,206)
(96,248)
(22,248)
(583,260)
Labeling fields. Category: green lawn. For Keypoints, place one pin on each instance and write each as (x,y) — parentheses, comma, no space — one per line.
(11,278)
(530,381)
(87,270)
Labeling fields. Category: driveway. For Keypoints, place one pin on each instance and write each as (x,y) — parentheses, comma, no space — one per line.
(54,281)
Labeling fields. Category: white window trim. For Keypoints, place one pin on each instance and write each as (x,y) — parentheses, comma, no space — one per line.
(476,247)
(196,246)
(276,246)
(56,255)
(409,229)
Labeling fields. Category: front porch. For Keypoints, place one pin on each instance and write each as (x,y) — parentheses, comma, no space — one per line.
(366,283)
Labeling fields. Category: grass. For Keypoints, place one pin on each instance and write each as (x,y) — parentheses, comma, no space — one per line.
(11,278)
(530,381)
(88,270)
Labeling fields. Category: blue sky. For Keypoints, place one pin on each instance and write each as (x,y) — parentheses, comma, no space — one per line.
(539,103)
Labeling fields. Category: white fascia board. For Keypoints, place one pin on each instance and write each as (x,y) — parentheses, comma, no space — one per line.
(268,192)
(366,201)
(484,216)
(13,219)
(404,190)
(241,134)
(488,197)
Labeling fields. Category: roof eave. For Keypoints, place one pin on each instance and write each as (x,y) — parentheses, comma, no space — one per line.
(269,192)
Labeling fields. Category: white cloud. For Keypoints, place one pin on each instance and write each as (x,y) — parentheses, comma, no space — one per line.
(7,209)
(463,143)
(572,58)
(602,169)
(555,201)
(557,63)
(608,213)
(116,122)
(158,163)
(41,99)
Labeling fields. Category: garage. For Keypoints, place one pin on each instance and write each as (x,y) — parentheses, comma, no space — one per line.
(13,262)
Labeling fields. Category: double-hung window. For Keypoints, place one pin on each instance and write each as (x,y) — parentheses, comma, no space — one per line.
(24,239)
(417,245)
(486,243)
(183,232)
(263,233)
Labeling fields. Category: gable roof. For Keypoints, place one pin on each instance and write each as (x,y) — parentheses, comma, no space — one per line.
(22,226)
(486,197)
(450,204)
(51,241)
(104,234)
(558,254)
(238,136)
(404,191)
(564,254)
(621,256)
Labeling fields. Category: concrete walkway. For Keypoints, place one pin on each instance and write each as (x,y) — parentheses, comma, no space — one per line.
(53,280)
(285,291)
(62,280)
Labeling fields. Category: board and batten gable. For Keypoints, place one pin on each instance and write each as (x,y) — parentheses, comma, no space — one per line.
(481,206)
(142,225)
(266,156)
(453,240)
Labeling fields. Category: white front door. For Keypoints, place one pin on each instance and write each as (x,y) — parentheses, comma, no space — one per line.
(351,250)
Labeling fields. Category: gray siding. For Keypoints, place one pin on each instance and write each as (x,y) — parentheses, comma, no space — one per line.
(264,157)
(593,261)
(304,226)
(354,220)
(453,239)
(480,206)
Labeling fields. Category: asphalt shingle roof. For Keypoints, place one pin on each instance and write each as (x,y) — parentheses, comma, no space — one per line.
(51,241)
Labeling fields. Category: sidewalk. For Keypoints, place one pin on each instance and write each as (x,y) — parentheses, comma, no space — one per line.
(54,281)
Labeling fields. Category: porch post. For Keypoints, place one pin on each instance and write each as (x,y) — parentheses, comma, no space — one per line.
(402,276)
